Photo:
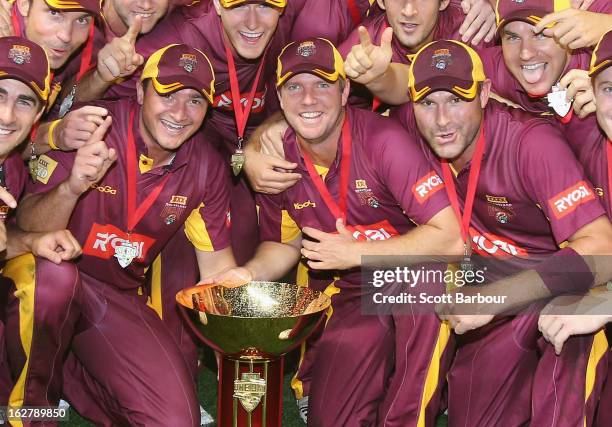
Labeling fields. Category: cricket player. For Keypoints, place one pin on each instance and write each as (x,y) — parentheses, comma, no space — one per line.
(429,21)
(24,89)
(360,174)
(405,27)
(504,163)
(65,30)
(589,314)
(123,365)
(523,70)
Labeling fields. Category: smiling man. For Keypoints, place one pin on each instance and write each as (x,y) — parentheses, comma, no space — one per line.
(123,198)
(24,89)
(565,319)
(504,163)
(354,199)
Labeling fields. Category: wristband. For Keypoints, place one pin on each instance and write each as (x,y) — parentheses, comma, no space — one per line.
(566,272)
(50,134)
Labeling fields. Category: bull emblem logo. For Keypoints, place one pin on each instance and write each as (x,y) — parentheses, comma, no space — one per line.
(20,54)
(441,59)
(188,62)
(306,49)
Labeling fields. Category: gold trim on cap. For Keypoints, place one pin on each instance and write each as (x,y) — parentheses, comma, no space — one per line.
(232,3)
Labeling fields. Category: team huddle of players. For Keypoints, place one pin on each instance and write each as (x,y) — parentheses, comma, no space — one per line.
(256,132)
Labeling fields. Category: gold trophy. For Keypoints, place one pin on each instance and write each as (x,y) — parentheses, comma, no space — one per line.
(252,326)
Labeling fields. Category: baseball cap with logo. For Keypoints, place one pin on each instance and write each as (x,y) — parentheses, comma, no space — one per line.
(228,4)
(602,55)
(445,65)
(178,66)
(530,11)
(316,56)
(93,6)
(27,62)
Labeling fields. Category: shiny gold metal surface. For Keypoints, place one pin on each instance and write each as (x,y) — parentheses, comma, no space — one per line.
(271,317)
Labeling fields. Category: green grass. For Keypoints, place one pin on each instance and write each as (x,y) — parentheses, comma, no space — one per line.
(207,387)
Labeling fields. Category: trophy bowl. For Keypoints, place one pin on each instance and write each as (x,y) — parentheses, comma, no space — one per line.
(271,317)
(252,326)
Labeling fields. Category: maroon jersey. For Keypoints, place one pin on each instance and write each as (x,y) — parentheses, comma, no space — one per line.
(447,27)
(532,192)
(330,19)
(194,194)
(392,187)
(591,150)
(13,177)
(199,26)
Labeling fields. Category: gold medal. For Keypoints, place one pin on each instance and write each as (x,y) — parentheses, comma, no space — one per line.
(237,161)
(466,263)
(33,168)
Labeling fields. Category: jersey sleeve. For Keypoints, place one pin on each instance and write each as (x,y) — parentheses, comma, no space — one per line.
(409,175)
(275,222)
(556,180)
(208,226)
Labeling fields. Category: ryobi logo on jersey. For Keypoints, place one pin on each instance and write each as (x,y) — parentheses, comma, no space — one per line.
(569,199)
(382,230)
(427,186)
(497,246)
(224,101)
(103,239)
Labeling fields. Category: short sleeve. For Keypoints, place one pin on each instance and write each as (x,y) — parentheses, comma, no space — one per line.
(556,180)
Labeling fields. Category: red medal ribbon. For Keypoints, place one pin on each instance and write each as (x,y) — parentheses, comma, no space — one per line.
(354,11)
(135,213)
(609,158)
(15,21)
(242,115)
(451,189)
(338,210)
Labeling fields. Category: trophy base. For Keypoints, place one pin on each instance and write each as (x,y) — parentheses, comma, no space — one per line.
(250,392)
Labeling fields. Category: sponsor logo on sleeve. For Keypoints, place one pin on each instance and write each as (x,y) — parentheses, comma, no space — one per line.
(427,186)
(103,239)
(569,199)
(46,166)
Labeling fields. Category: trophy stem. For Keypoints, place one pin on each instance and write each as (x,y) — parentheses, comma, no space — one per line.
(250,390)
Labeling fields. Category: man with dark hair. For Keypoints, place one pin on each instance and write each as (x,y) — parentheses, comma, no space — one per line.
(123,365)
(24,90)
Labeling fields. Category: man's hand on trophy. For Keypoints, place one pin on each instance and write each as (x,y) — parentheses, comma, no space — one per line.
(231,278)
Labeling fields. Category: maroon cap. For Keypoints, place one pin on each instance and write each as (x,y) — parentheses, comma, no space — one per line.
(26,61)
(446,65)
(178,66)
(316,56)
(602,55)
(93,6)
(530,11)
